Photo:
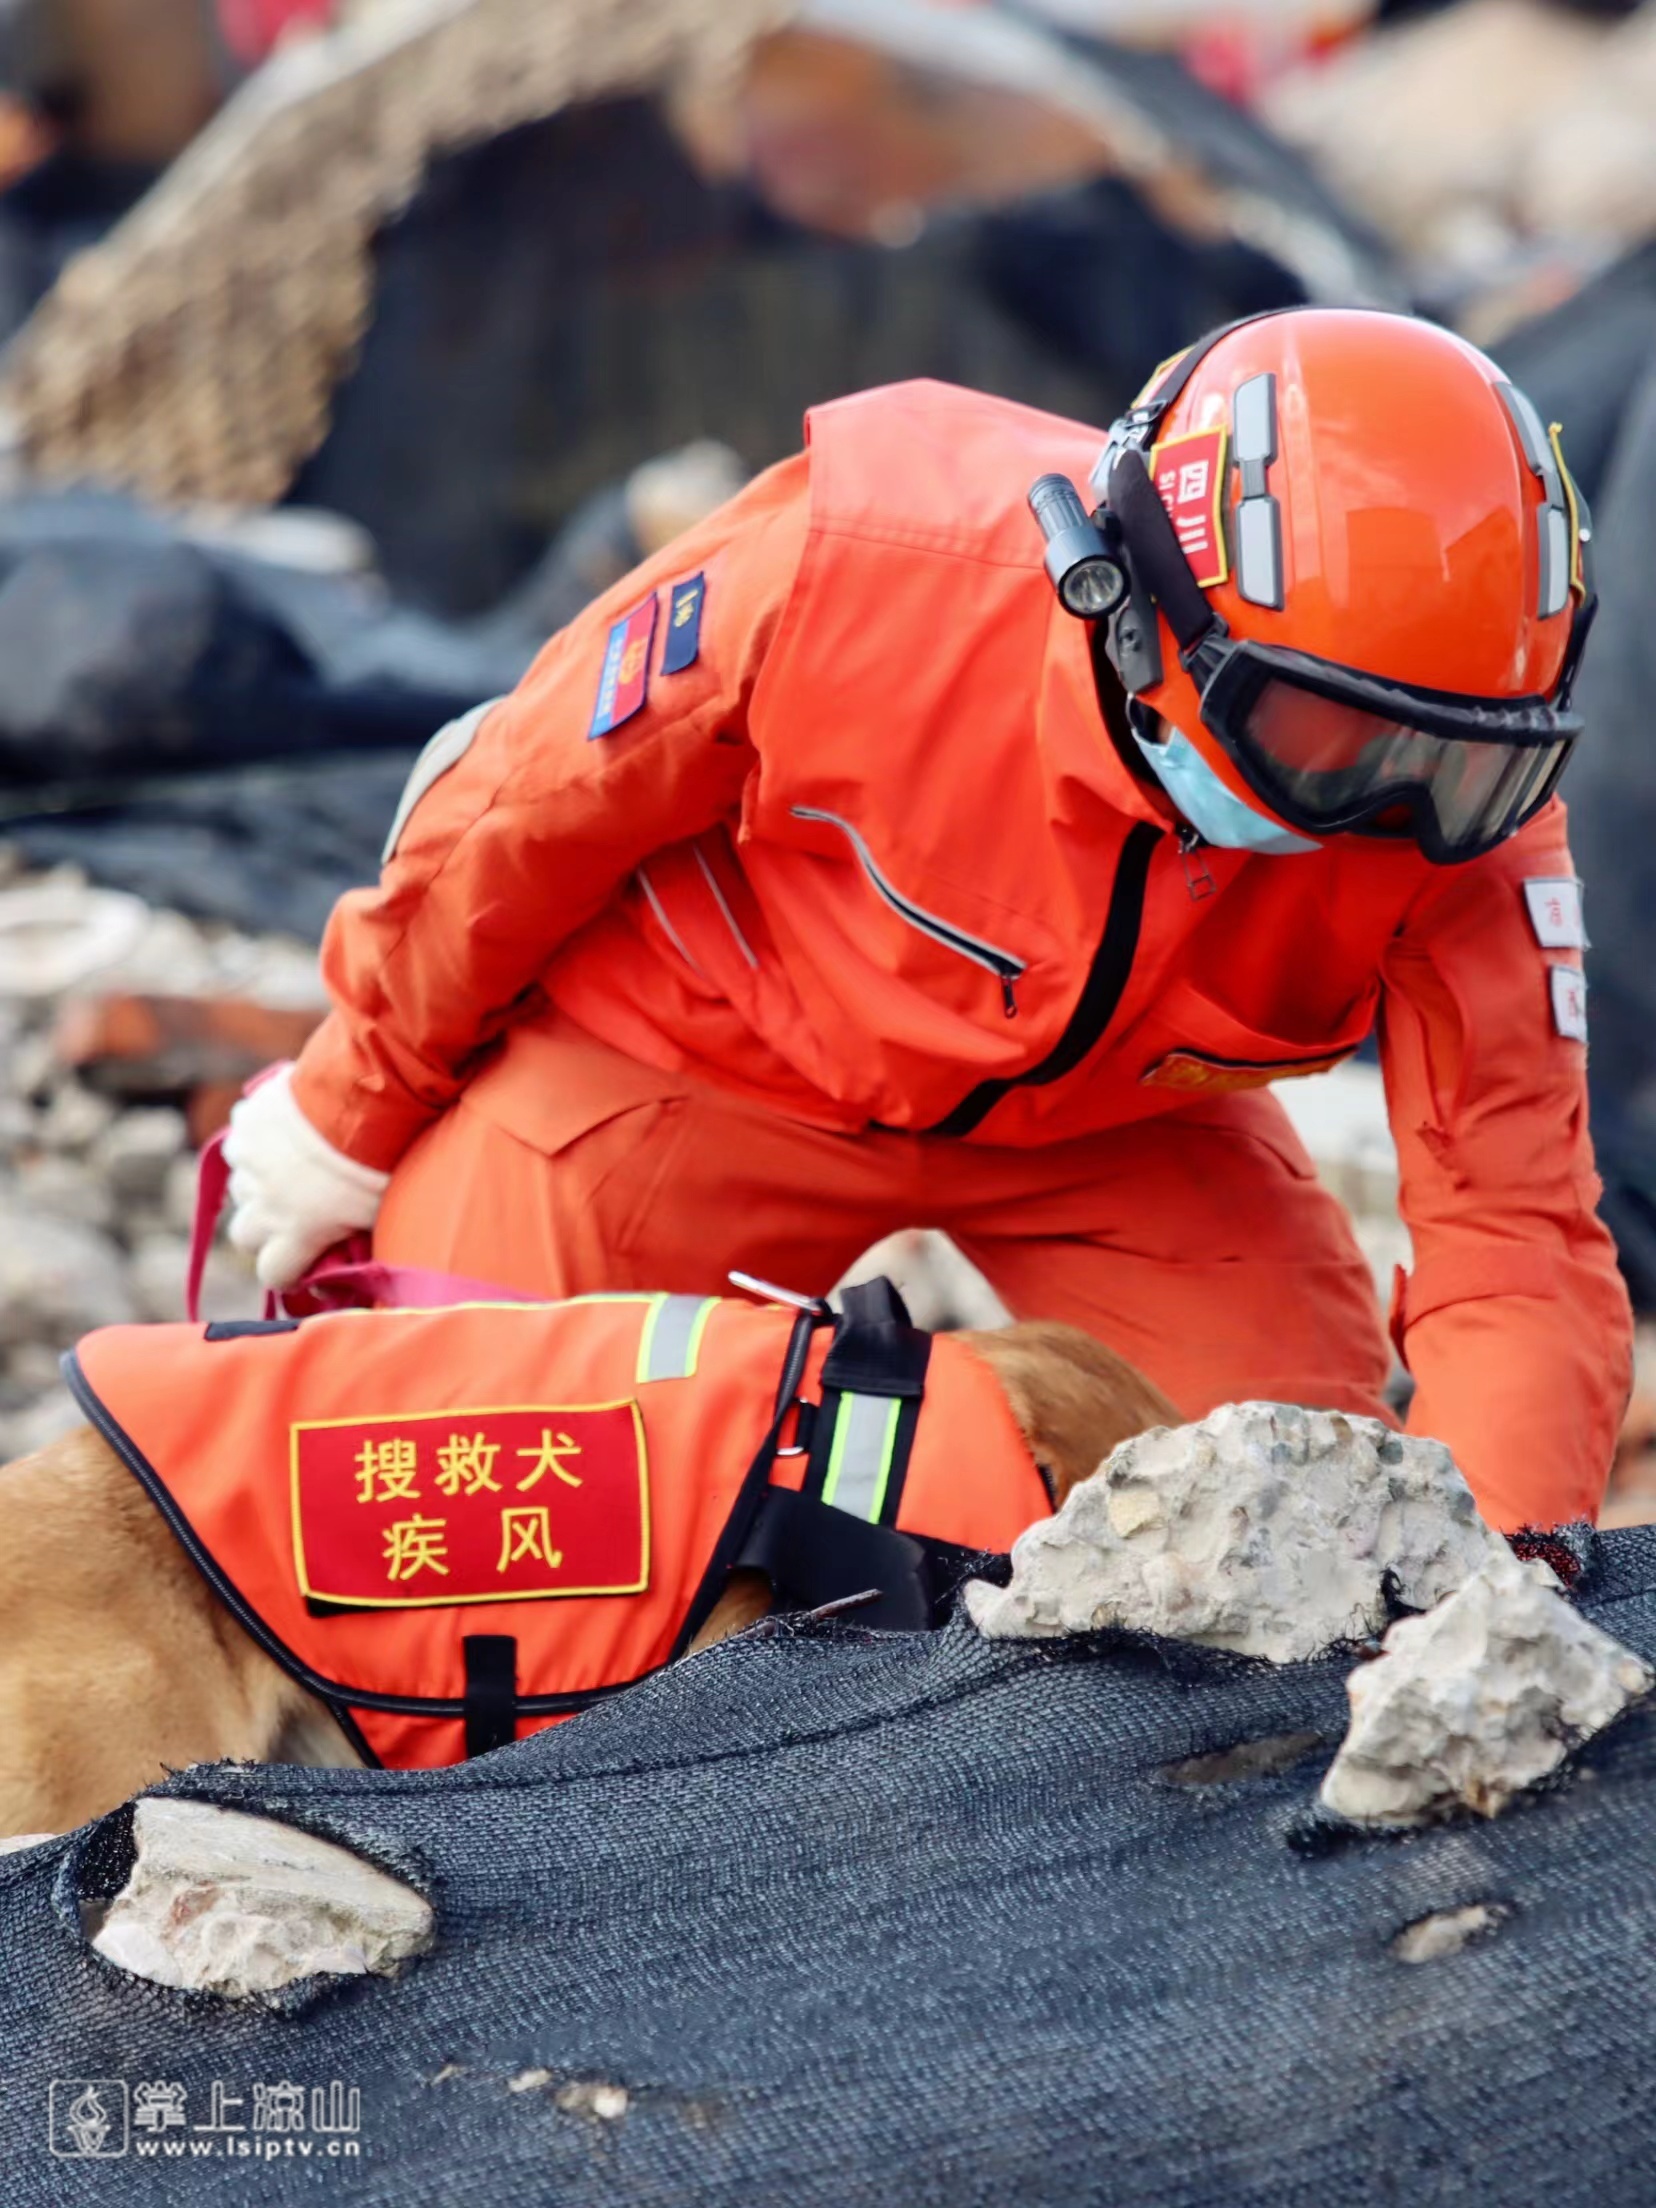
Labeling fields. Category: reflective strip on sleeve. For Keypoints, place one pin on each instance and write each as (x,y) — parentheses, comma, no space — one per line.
(671,1341)
(446,749)
(859,1463)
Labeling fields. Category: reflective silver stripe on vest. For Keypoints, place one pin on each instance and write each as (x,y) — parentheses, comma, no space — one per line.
(446,749)
(672,1336)
(859,1463)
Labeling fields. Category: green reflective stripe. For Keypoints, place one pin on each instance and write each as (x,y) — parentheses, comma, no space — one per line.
(671,1339)
(859,1463)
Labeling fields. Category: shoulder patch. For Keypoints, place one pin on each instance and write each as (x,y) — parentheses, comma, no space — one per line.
(684,617)
(1569,1002)
(1554,902)
(624,683)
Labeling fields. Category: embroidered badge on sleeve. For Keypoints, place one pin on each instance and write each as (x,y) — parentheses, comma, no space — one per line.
(1554,903)
(1569,1002)
(624,683)
(684,618)
(495,1505)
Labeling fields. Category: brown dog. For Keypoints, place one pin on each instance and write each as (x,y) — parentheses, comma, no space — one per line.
(118,1663)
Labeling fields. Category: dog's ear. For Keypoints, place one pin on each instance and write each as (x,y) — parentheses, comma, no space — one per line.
(1073,1399)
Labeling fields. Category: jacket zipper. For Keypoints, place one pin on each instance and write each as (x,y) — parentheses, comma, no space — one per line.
(1101,992)
(1006,969)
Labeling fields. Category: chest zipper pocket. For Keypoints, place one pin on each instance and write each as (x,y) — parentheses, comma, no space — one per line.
(1006,969)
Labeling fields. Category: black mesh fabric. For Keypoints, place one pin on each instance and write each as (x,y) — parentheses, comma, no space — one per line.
(919,1919)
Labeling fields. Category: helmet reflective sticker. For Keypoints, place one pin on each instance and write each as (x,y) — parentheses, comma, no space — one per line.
(1189,472)
(1258,517)
(1558,534)
(1581,527)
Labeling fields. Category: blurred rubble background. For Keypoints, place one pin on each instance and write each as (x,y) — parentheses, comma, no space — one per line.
(350,345)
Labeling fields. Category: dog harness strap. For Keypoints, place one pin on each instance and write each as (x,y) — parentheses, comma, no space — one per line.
(671,1341)
(491,1691)
(859,1456)
(873,1382)
(755,1486)
(814,1554)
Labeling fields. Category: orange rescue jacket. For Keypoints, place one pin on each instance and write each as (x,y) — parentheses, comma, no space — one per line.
(820,807)
(457,1525)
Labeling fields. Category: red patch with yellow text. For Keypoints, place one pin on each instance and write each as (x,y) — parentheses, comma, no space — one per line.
(1188,1069)
(1189,472)
(500,1505)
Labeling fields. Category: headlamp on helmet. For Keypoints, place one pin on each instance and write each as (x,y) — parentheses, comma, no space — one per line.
(1326,747)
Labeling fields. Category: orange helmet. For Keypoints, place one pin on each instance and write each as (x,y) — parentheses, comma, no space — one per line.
(1356,583)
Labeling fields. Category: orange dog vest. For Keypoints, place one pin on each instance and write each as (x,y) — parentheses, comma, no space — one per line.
(461,1524)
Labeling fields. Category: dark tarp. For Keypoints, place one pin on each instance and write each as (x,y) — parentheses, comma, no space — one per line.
(924,1920)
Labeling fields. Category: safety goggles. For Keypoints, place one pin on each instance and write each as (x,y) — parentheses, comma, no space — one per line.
(1328,748)
(1325,747)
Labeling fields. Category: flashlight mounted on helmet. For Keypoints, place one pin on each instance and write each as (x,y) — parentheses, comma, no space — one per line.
(1085,567)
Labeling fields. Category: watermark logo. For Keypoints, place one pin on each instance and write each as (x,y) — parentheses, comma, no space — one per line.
(162,2119)
(88,2119)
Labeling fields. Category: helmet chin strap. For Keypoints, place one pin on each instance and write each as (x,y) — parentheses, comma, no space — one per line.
(1217,814)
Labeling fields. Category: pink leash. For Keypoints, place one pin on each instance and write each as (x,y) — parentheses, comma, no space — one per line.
(346,1278)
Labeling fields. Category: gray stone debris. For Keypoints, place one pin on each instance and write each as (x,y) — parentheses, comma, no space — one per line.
(96,1195)
(47,1419)
(1265,1529)
(242,1906)
(1483,1696)
(135,1153)
(159,1266)
(55,933)
(56,1278)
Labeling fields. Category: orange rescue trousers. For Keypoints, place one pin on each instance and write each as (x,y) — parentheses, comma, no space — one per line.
(1199,1245)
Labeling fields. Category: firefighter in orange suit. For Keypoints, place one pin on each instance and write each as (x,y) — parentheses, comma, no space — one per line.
(876,856)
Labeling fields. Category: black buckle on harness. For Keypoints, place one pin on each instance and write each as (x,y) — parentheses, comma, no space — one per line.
(814,1554)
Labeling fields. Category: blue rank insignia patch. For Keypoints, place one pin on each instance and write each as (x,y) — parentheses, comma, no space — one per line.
(684,612)
(625,682)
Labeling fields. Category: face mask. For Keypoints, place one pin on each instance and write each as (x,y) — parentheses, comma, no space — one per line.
(1216,813)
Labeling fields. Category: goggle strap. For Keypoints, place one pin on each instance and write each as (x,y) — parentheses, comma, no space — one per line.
(1157,556)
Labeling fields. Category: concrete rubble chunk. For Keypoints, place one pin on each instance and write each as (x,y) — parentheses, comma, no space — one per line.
(1447,1931)
(242,1906)
(1483,1696)
(56,934)
(58,1279)
(1265,1529)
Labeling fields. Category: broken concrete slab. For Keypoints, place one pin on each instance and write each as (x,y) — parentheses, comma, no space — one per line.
(243,1906)
(1265,1529)
(1485,1695)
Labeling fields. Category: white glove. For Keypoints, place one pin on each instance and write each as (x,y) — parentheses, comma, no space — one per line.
(292,1194)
